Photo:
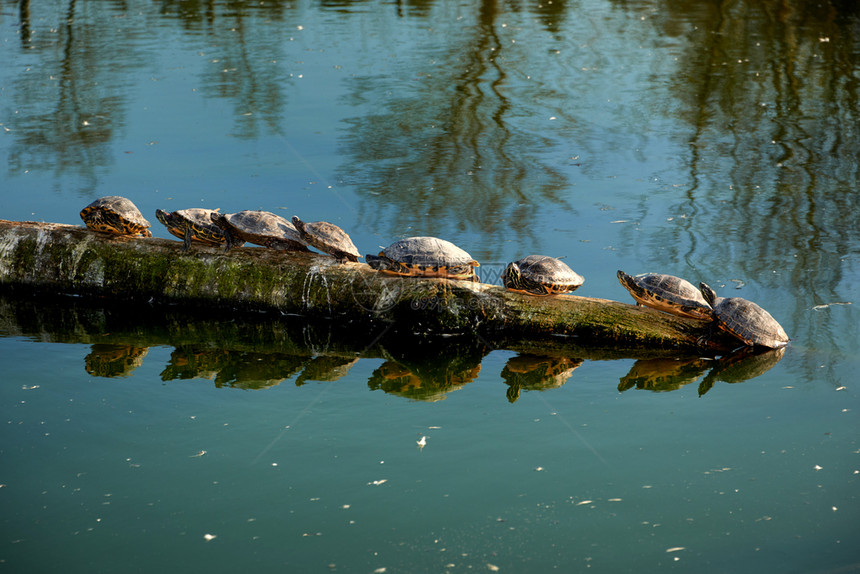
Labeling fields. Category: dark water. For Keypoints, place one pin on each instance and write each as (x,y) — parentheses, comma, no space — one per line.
(717,141)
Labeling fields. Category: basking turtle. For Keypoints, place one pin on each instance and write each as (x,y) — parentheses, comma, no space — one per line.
(259,227)
(192,225)
(745,320)
(541,275)
(425,257)
(328,238)
(116,215)
(667,293)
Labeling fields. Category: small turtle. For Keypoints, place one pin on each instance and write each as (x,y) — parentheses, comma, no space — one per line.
(328,238)
(667,293)
(192,224)
(745,320)
(117,215)
(425,257)
(259,227)
(541,275)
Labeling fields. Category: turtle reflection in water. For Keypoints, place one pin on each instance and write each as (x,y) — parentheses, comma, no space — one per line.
(108,360)
(421,382)
(742,365)
(326,368)
(536,373)
(664,374)
(240,369)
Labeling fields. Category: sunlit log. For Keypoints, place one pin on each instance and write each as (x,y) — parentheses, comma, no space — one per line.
(56,258)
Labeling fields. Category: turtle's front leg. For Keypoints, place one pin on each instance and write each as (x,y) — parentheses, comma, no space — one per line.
(187,240)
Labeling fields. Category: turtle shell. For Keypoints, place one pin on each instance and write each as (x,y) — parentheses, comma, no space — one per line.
(667,293)
(192,225)
(259,227)
(117,215)
(541,275)
(328,238)
(425,257)
(745,320)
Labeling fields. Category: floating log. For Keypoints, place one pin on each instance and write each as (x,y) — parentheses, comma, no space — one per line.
(66,259)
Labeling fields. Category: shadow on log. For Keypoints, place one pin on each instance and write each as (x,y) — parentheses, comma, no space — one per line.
(64,259)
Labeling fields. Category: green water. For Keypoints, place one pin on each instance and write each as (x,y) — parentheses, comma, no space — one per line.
(716,141)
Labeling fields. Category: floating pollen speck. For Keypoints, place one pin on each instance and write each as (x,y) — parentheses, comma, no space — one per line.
(378,482)
(675,549)
(209,537)
(817,467)
(584,502)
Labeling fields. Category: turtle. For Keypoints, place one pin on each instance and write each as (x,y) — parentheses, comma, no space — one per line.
(425,257)
(328,238)
(117,215)
(258,227)
(745,320)
(541,275)
(667,293)
(192,224)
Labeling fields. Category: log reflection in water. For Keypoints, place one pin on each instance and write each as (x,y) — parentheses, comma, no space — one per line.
(250,352)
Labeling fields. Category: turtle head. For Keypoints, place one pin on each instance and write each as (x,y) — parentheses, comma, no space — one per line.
(163,216)
(625,279)
(709,294)
(300,225)
(512,278)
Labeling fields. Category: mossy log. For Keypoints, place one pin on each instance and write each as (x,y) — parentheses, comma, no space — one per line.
(55,258)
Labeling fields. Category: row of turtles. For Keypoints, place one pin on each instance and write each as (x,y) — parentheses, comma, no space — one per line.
(410,257)
(118,215)
(434,257)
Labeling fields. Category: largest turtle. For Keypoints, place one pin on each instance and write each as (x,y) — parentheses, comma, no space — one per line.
(425,257)
(667,293)
(116,215)
(745,320)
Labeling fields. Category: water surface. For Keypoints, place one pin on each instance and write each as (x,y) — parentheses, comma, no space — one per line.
(715,141)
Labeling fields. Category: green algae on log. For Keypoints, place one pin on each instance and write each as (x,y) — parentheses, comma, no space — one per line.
(56,258)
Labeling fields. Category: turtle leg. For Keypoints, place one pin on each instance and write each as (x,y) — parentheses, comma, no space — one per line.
(230,243)
(187,240)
